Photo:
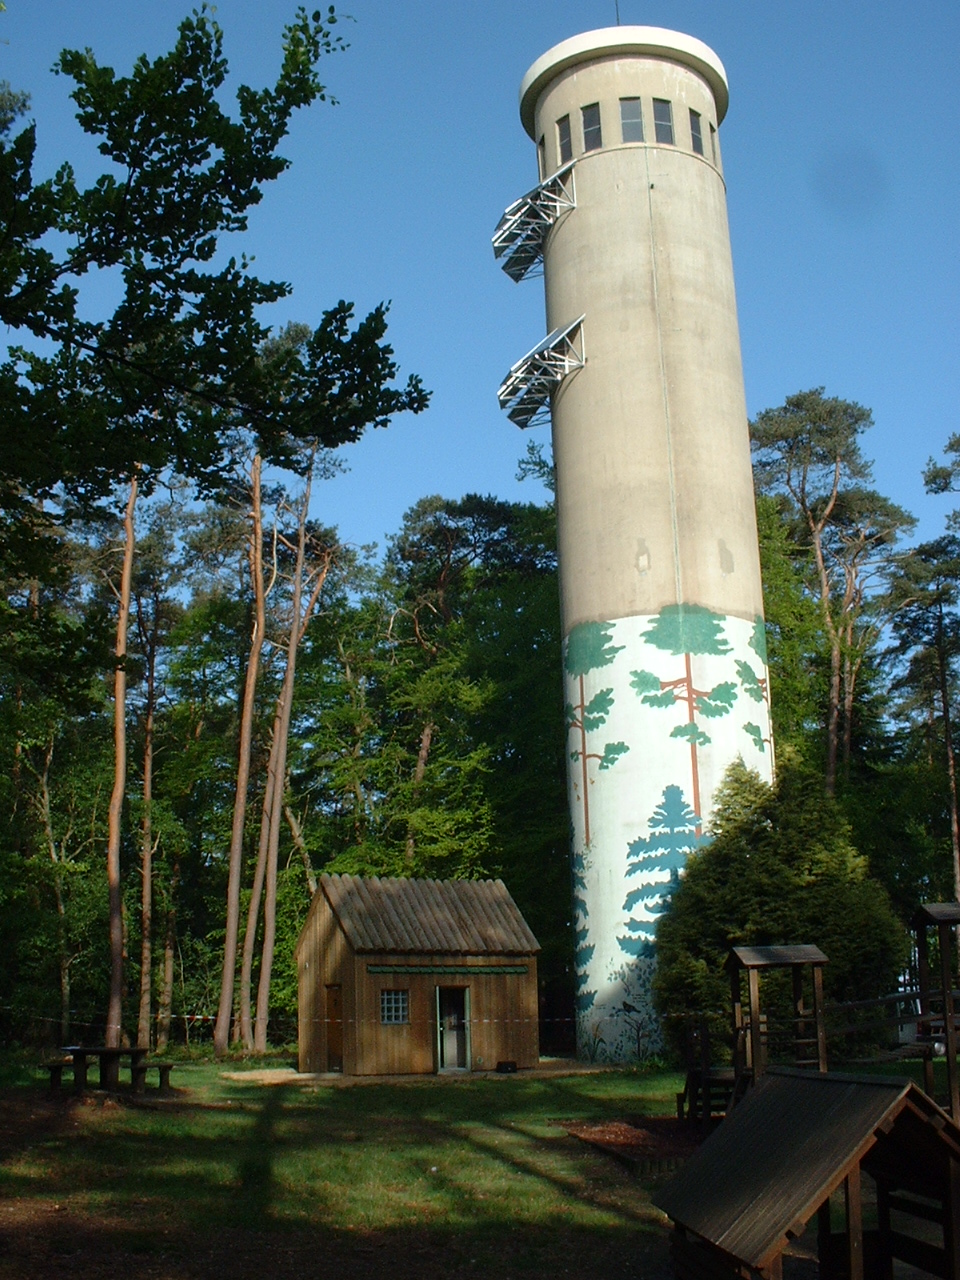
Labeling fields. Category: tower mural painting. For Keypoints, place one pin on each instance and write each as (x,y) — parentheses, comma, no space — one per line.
(640,376)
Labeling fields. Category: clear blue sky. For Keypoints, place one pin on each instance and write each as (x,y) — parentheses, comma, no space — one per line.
(842,158)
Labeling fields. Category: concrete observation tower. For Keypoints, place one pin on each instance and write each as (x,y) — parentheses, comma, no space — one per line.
(664,655)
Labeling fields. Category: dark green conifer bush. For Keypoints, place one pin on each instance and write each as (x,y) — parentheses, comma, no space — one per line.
(780,869)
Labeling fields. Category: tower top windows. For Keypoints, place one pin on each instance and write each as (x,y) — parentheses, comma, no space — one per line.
(663,121)
(696,134)
(631,120)
(564,141)
(592,137)
(623,44)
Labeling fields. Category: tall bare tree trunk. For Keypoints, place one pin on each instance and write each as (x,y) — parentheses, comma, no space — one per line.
(849,683)
(221,1031)
(296,833)
(817,527)
(256,892)
(114,1006)
(426,738)
(146,855)
(64,959)
(951,760)
(299,618)
(165,1005)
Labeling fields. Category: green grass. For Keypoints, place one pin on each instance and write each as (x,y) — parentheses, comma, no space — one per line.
(465,1159)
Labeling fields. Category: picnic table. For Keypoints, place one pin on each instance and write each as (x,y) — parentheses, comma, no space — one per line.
(80,1055)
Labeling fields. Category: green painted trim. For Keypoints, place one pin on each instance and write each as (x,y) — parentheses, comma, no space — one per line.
(447,968)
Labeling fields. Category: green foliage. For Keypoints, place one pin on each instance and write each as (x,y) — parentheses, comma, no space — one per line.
(797,649)
(780,869)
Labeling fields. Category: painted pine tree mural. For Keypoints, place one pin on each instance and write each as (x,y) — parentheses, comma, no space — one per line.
(590,647)
(583,951)
(686,630)
(674,833)
(756,686)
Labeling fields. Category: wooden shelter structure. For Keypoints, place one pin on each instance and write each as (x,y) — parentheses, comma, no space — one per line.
(711,1090)
(413,976)
(944,917)
(797,1138)
(809,1031)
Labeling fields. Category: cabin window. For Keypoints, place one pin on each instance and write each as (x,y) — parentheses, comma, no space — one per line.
(592,139)
(394,1008)
(631,120)
(542,158)
(663,121)
(713,144)
(564,142)
(696,136)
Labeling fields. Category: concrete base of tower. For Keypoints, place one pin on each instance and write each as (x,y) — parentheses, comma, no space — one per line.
(658,707)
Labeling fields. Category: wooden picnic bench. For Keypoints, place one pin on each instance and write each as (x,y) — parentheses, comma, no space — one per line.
(138,1074)
(77,1058)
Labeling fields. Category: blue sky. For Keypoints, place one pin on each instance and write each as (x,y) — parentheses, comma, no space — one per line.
(841,153)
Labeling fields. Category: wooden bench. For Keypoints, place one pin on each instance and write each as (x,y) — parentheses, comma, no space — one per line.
(55,1066)
(139,1074)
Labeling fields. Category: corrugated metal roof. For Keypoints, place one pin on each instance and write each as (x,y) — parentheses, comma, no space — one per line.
(779,1154)
(465,917)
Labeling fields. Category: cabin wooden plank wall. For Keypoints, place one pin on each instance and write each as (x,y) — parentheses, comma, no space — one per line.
(341,986)
(501,1014)
(322,957)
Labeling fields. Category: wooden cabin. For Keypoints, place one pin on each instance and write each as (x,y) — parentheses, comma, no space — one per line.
(799,1138)
(416,976)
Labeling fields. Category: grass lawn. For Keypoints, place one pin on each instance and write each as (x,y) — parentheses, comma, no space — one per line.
(234,1178)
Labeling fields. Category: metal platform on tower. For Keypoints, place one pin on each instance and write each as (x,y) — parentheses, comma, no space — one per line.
(525,391)
(518,239)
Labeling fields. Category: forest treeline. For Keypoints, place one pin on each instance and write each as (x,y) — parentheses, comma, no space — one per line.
(207,698)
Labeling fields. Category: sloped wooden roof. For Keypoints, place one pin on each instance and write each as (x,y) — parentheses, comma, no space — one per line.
(938,913)
(764,1172)
(776,957)
(462,917)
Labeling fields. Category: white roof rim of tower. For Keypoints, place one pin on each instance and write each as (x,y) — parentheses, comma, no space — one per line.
(609,41)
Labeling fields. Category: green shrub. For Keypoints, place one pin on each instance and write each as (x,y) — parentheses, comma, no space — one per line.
(780,869)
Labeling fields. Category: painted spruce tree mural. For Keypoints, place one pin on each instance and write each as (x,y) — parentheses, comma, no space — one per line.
(674,833)
(590,647)
(583,951)
(686,630)
(756,686)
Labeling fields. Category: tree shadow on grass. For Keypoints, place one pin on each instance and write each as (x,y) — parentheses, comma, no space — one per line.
(257,1180)
(410,1180)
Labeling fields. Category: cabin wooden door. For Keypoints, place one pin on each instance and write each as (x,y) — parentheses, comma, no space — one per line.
(334,1028)
(452,1028)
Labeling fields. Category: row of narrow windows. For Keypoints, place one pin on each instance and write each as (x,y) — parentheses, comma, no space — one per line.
(631,129)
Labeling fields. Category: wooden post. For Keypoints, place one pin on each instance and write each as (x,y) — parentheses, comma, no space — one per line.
(799,1014)
(79,1072)
(949,1026)
(739,1048)
(885,1260)
(951,1222)
(825,1241)
(705,1098)
(756,1044)
(818,1017)
(854,1214)
(923,965)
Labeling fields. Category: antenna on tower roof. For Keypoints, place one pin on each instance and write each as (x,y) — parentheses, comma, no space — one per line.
(617,7)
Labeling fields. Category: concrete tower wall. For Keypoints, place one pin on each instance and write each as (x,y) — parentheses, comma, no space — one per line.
(647,257)
(664,653)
